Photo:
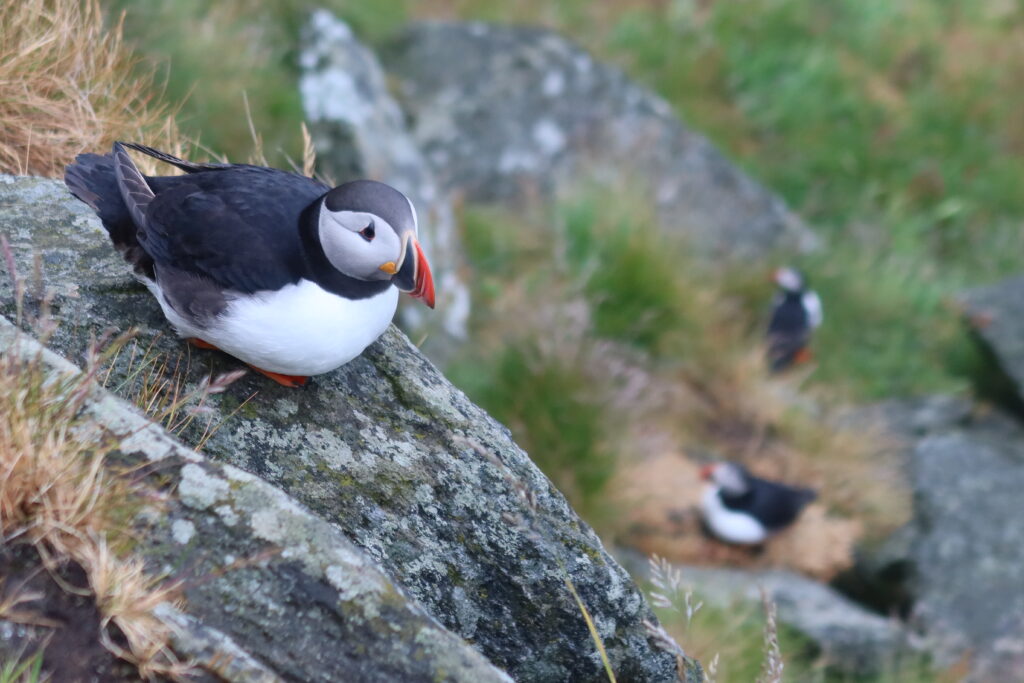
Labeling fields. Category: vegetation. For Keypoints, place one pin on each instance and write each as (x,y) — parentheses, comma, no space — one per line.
(875,120)
(68,84)
(58,497)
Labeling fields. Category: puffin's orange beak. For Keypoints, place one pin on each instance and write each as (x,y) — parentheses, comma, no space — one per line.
(706,471)
(414,274)
(424,280)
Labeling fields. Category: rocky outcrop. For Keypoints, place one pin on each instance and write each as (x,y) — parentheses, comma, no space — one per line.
(383,486)
(996,315)
(957,568)
(359,132)
(274,593)
(514,113)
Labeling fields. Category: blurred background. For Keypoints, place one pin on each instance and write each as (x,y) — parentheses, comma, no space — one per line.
(608,213)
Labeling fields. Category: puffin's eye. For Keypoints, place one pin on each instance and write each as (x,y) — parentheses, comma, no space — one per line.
(368,233)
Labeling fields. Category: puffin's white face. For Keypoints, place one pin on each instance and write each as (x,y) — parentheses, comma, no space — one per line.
(789,279)
(367,231)
(727,477)
(360,244)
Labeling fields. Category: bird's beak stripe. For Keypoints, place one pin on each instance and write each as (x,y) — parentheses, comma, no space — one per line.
(413,273)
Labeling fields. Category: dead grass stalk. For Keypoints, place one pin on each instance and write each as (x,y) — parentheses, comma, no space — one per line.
(68,84)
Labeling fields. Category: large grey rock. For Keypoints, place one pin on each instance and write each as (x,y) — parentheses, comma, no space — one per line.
(275,593)
(512,113)
(996,314)
(359,132)
(967,547)
(956,569)
(852,639)
(377,450)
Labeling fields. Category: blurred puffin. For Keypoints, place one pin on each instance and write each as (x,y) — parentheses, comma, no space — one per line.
(740,508)
(279,270)
(796,311)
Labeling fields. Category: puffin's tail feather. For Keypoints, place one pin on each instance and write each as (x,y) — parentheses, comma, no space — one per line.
(187,166)
(92,179)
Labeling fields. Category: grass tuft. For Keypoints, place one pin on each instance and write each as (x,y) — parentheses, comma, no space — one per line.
(68,84)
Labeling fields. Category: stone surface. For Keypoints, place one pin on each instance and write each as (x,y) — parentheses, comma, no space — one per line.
(359,132)
(513,113)
(967,549)
(996,313)
(852,639)
(956,570)
(380,451)
(274,593)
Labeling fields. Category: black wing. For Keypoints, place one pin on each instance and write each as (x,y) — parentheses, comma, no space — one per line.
(237,226)
(789,332)
(774,505)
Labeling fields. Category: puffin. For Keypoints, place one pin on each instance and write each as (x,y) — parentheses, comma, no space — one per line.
(796,312)
(742,509)
(281,271)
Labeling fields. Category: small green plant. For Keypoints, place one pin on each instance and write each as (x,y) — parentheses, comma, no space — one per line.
(27,670)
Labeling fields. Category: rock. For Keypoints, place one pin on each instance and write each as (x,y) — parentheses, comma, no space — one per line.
(996,314)
(955,571)
(276,593)
(967,549)
(379,452)
(359,132)
(512,113)
(852,639)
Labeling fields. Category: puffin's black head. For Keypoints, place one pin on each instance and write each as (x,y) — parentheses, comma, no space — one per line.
(368,231)
(790,280)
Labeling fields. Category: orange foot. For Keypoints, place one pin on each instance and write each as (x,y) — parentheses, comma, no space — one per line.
(201,343)
(804,355)
(290,381)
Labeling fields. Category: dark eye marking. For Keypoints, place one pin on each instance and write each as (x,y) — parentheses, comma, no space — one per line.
(368,233)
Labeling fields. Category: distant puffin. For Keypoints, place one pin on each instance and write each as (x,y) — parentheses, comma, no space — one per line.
(279,270)
(796,312)
(740,508)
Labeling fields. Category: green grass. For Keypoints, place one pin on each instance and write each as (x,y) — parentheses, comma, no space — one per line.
(27,670)
(735,634)
(893,128)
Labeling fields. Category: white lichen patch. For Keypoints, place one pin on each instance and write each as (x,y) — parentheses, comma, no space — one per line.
(352,583)
(266,524)
(182,531)
(226,514)
(200,490)
(549,137)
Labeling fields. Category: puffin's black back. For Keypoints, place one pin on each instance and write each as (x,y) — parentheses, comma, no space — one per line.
(774,505)
(233,223)
(788,330)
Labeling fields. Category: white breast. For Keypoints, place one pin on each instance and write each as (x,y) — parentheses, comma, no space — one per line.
(301,329)
(730,525)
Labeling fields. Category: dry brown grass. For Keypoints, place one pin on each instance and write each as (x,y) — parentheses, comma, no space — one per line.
(69,84)
(57,495)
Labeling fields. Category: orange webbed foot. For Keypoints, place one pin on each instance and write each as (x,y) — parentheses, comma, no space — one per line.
(290,381)
(201,343)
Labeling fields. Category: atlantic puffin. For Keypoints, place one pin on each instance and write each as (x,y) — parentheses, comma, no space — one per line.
(276,269)
(742,509)
(796,312)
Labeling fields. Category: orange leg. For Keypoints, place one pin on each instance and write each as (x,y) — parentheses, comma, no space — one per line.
(201,344)
(291,381)
(804,355)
